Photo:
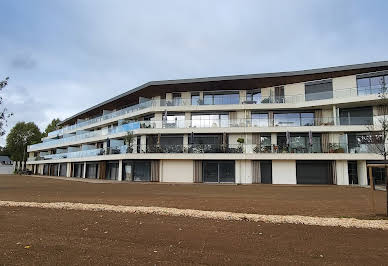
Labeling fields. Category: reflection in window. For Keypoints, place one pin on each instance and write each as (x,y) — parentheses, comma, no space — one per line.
(221,98)
(372,85)
(293,119)
(195,99)
(318,90)
(254,96)
(260,120)
(300,143)
(174,121)
(210,120)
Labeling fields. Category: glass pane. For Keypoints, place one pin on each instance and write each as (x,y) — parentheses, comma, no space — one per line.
(226,173)
(142,171)
(376,84)
(210,172)
(307,119)
(208,99)
(195,100)
(363,86)
(260,120)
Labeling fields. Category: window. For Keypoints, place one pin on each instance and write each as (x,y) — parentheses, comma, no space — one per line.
(195,99)
(318,90)
(363,142)
(279,94)
(254,96)
(259,120)
(137,170)
(91,170)
(372,83)
(112,170)
(218,171)
(174,121)
(210,120)
(176,99)
(78,169)
(300,143)
(356,116)
(293,119)
(221,98)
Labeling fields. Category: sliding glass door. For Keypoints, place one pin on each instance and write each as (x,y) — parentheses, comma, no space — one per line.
(219,171)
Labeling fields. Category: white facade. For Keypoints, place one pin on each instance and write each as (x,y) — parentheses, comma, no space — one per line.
(259,134)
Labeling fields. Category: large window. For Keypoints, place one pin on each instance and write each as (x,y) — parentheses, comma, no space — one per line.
(174,121)
(112,170)
(78,169)
(221,98)
(356,116)
(293,119)
(209,120)
(218,171)
(62,169)
(314,172)
(259,120)
(299,143)
(137,170)
(195,99)
(318,90)
(254,96)
(372,83)
(91,170)
(206,143)
(364,142)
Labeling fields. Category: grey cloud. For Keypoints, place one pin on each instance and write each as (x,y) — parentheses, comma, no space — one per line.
(23,62)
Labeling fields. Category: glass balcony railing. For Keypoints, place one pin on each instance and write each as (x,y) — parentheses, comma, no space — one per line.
(292,99)
(210,123)
(214,148)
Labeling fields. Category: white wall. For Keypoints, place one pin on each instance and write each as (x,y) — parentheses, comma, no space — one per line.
(342,173)
(243,170)
(347,82)
(177,171)
(6,169)
(283,172)
(362,173)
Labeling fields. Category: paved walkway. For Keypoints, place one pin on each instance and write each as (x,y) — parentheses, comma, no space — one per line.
(217,215)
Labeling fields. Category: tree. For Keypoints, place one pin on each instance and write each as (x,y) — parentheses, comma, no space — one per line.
(4,151)
(21,135)
(379,141)
(51,127)
(4,115)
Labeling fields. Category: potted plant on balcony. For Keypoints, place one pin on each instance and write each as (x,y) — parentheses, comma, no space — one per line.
(128,140)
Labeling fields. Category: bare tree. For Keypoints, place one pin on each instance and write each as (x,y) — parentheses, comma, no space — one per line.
(379,132)
(4,115)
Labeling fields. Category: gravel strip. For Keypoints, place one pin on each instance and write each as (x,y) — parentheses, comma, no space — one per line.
(218,215)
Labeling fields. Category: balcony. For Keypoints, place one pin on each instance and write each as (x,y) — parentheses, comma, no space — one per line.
(212,149)
(286,99)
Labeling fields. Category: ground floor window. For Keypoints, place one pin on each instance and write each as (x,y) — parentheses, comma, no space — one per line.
(314,172)
(218,171)
(53,169)
(78,170)
(62,169)
(137,170)
(112,170)
(46,169)
(91,170)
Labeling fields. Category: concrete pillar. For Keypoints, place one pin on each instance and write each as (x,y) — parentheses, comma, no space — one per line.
(274,140)
(243,96)
(185,142)
(187,119)
(342,172)
(335,115)
(84,172)
(143,143)
(168,96)
(59,169)
(362,173)
(68,169)
(120,173)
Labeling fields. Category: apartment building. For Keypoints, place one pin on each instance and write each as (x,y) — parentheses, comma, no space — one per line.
(314,126)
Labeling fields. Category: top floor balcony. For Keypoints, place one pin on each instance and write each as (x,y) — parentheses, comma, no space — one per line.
(223,99)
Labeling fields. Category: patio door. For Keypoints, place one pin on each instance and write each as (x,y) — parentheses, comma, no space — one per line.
(219,171)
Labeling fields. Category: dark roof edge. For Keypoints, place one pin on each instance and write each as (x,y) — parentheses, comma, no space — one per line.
(235,77)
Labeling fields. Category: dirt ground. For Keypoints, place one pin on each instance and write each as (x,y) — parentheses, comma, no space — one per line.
(33,236)
(328,201)
(49,237)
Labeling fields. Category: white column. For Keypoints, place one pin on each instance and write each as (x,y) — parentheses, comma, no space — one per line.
(84,173)
(362,173)
(274,140)
(68,170)
(342,173)
(335,115)
(120,174)
(143,143)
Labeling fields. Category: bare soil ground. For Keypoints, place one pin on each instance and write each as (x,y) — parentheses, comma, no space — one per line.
(325,201)
(30,236)
(34,236)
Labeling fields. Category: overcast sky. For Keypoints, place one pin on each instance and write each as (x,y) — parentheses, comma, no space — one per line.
(64,56)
